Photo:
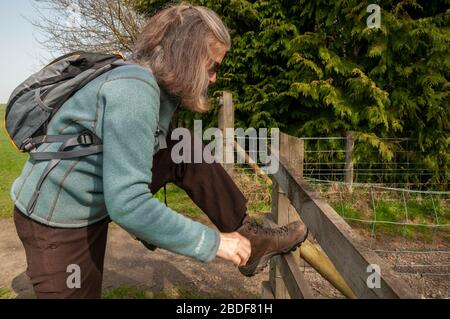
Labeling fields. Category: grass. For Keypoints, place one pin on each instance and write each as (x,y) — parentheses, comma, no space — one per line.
(178,200)
(255,207)
(422,211)
(5,293)
(255,190)
(11,164)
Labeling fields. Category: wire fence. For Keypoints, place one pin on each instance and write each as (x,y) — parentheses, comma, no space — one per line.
(408,228)
(325,159)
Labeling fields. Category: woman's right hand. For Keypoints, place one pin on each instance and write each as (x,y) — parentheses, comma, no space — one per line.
(234,247)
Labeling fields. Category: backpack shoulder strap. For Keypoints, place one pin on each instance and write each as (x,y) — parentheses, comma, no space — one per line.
(86,138)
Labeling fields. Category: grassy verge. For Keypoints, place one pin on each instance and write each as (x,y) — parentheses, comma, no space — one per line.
(416,210)
(178,200)
(11,164)
(5,293)
(255,189)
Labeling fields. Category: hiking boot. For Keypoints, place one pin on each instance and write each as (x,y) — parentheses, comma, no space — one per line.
(267,242)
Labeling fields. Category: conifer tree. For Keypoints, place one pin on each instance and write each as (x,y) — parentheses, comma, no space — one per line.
(315,68)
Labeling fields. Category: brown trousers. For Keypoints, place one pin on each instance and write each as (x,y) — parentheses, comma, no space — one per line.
(50,251)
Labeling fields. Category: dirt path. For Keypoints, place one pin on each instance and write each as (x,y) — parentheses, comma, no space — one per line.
(129,264)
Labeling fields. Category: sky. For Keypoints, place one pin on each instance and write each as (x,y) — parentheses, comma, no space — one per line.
(20,53)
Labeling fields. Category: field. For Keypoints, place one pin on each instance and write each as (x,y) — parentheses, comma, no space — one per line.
(412,216)
(11,163)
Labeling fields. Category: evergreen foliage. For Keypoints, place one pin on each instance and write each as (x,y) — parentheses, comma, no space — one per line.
(314,68)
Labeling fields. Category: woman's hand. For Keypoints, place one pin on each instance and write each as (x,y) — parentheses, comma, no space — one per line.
(234,247)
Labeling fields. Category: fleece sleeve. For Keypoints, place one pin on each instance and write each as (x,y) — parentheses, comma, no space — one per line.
(131,110)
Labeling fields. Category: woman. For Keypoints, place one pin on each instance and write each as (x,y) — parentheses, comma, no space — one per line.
(174,61)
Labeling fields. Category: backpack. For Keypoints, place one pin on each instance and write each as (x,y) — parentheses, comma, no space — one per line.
(34,102)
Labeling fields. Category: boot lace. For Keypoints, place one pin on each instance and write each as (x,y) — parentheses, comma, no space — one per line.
(257,228)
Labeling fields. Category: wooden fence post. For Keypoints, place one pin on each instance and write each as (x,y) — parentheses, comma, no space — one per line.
(280,204)
(349,146)
(226,121)
(282,211)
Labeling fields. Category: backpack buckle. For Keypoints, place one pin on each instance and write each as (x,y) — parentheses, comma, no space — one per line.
(28,145)
(85,139)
